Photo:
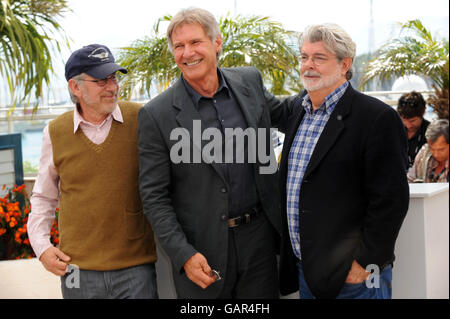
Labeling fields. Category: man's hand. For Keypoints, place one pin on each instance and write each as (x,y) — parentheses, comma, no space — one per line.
(357,274)
(198,271)
(55,261)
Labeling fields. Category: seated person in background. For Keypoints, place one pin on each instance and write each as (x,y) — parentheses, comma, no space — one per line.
(431,163)
(411,108)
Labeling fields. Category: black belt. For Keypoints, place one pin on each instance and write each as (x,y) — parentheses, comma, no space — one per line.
(245,218)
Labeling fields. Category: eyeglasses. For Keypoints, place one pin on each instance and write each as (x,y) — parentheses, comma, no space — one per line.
(315,59)
(104,81)
(411,103)
(412,100)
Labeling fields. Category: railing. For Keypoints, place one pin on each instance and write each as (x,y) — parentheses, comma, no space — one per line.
(28,114)
(389,95)
(51,112)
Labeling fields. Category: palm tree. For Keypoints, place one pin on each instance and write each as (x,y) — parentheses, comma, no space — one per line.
(149,62)
(264,44)
(253,40)
(417,52)
(27,39)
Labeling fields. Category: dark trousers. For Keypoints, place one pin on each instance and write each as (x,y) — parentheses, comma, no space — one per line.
(252,266)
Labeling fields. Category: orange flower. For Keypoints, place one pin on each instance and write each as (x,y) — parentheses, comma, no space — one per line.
(14,210)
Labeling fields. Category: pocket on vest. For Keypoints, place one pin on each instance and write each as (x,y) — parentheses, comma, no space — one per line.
(135,224)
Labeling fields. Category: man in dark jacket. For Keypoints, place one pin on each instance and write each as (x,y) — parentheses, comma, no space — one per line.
(214,218)
(343,178)
(411,108)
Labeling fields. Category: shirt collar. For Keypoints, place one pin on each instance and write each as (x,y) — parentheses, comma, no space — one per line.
(196,97)
(330,101)
(78,118)
(435,163)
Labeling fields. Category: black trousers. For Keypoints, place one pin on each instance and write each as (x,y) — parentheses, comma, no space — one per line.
(252,271)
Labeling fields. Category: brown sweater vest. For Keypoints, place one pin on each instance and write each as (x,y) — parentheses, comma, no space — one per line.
(101,220)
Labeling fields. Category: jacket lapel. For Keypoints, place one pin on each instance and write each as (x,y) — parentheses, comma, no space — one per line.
(244,97)
(295,118)
(186,117)
(331,131)
(294,121)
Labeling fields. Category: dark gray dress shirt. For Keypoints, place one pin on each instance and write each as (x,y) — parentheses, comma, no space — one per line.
(223,111)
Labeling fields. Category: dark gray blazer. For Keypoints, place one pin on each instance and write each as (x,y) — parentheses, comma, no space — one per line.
(187,204)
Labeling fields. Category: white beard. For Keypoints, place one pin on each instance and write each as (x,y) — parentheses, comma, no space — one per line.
(322,82)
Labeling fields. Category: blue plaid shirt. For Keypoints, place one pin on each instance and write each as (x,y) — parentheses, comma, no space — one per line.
(305,141)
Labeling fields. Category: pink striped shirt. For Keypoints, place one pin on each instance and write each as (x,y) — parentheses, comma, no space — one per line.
(45,196)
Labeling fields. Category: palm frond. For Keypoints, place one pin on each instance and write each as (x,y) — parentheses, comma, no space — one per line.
(28,33)
(417,52)
(252,40)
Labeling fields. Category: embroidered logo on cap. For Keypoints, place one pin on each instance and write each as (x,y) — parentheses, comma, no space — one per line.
(100,53)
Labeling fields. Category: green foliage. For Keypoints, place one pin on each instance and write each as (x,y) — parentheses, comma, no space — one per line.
(254,40)
(264,44)
(149,62)
(27,37)
(29,168)
(417,52)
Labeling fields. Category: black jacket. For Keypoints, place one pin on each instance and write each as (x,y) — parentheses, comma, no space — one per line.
(354,195)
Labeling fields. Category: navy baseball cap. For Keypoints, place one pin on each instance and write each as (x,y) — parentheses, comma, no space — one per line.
(95,60)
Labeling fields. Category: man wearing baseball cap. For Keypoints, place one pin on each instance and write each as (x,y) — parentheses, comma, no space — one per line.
(89,164)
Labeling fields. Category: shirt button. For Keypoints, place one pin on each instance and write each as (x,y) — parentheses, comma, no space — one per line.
(223,190)
(224,217)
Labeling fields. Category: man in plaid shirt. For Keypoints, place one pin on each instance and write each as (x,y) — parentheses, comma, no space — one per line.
(343,178)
